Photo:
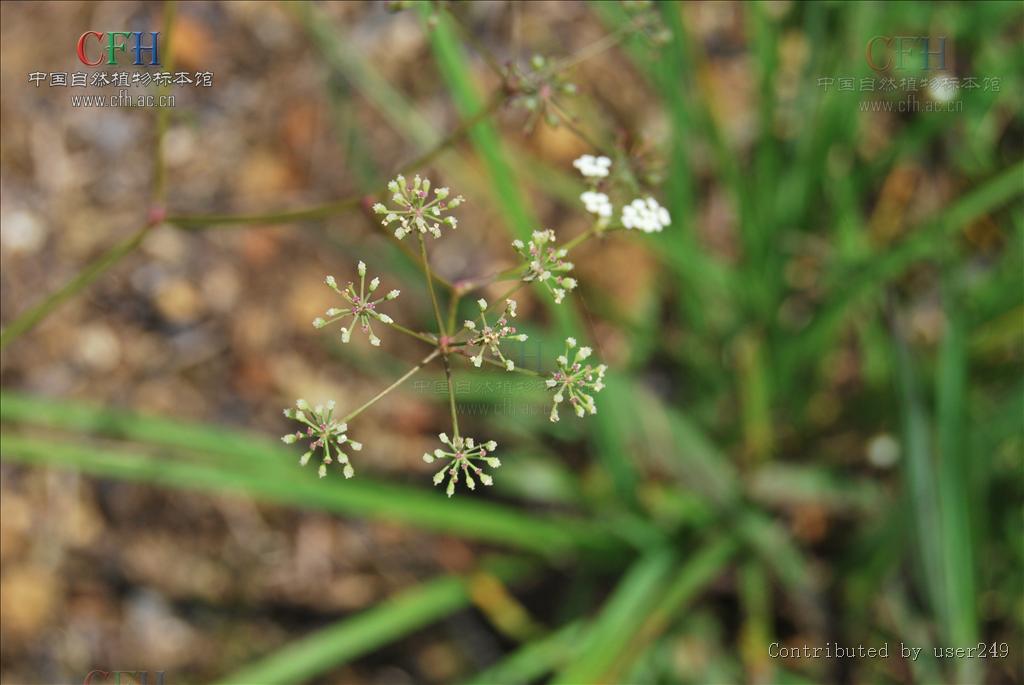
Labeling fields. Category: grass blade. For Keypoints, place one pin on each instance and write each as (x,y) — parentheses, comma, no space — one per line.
(920,480)
(29,319)
(691,576)
(231,446)
(532,660)
(868,277)
(361,634)
(955,493)
(629,606)
(450,61)
(360,497)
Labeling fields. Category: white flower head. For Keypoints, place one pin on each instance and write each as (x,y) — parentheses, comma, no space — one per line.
(593,167)
(462,455)
(362,307)
(576,381)
(488,337)
(597,203)
(327,437)
(416,210)
(645,214)
(546,263)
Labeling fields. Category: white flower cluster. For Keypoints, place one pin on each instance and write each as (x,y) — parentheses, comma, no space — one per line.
(645,215)
(576,380)
(593,167)
(363,306)
(326,436)
(597,203)
(546,263)
(464,451)
(489,337)
(416,211)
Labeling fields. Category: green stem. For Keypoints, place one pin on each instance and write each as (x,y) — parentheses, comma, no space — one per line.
(593,49)
(441,332)
(507,294)
(453,308)
(316,212)
(469,36)
(451,393)
(404,377)
(83,279)
(329,209)
(495,362)
(430,340)
(427,273)
(581,238)
(569,121)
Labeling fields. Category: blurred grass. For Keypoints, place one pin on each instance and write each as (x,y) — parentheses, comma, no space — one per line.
(146,459)
(349,638)
(533,660)
(955,493)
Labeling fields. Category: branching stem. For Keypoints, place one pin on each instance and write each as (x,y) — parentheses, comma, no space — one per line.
(403,378)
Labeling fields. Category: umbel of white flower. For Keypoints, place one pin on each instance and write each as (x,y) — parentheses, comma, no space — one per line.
(362,306)
(489,337)
(576,381)
(546,263)
(461,457)
(593,167)
(597,203)
(416,210)
(326,436)
(646,215)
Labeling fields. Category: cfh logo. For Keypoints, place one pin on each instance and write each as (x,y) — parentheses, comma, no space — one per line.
(113,42)
(98,677)
(907,52)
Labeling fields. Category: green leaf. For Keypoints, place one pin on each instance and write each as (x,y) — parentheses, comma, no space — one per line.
(363,633)
(920,481)
(955,489)
(631,602)
(532,660)
(554,536)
